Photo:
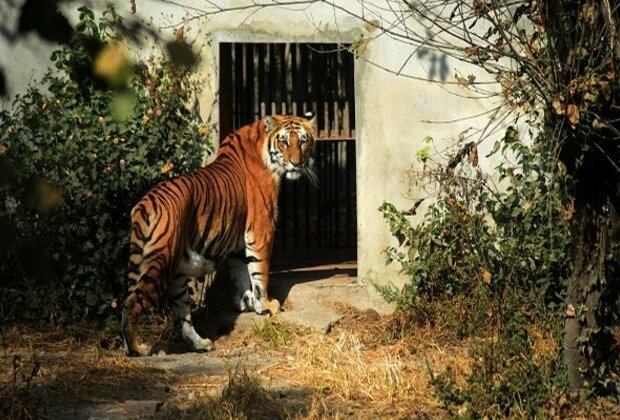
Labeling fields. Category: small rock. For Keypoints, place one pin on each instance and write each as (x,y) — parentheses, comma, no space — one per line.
(140,407)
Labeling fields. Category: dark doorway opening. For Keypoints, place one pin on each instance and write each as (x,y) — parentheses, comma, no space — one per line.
(317,226)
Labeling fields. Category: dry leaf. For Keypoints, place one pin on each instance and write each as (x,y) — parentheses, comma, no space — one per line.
(179,34)
(557,107)
(372,25)
(561,168)
(462,81)
(471,51)
(473,156)
(590,13)
(605,89)
(572,87)
(570,311)
(572,112)
(568,211)
(487,277)
(596,124)
(496,147)
(526,107)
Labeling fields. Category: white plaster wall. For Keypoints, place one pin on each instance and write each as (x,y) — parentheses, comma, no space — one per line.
(390,110)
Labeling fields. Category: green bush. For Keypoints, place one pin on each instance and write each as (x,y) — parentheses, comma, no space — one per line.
(77,151)
(491,261)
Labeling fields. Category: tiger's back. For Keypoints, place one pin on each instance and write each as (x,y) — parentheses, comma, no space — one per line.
(202,212)
(186,226)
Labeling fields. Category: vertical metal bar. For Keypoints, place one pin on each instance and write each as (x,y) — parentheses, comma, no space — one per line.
(338,203)
(294,72)
(225,90)
(271,76)
(347,198)
(282,72)
(262,95)
(321,206)
(304,81)
(334,198)
(238,63)
(353,192)
(250,108)
(336,122)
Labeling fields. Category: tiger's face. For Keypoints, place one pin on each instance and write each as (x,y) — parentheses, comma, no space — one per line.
(289,146)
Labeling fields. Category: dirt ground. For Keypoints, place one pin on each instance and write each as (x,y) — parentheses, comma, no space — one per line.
(268,368)
(326,356)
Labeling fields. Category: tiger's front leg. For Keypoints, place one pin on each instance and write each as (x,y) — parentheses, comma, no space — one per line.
(242,297)
(258,254)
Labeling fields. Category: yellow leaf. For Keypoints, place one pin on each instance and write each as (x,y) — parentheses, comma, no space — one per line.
(487,277)
(110,61)
(112,65)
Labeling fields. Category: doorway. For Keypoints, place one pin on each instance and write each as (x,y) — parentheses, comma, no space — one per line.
(317,227)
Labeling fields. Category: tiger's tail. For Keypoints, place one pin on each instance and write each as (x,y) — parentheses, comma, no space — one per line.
(144,278)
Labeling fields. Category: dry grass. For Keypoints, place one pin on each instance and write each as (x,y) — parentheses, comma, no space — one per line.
(365,367)
(70,371)
(243,397)
(544,343)
(368,367)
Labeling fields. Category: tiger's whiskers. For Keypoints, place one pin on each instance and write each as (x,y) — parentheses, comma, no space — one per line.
(312,176)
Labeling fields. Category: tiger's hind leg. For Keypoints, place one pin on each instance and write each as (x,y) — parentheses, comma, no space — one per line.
(144,295)
(180,302)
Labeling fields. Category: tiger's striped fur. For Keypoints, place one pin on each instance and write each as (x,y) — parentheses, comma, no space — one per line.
(186,226)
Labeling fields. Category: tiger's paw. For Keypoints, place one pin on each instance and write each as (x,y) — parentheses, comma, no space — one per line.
(245,303)
(138,350)
(273,306)
(203,345)
(267,307)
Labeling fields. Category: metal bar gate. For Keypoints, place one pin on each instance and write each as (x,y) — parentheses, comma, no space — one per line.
(258,79)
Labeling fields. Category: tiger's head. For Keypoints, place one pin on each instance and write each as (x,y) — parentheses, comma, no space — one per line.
(290,141)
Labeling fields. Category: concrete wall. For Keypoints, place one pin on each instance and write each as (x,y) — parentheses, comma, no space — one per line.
(392,112)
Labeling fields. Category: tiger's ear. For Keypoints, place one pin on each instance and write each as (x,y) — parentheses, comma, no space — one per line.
(312,121)
(271,122)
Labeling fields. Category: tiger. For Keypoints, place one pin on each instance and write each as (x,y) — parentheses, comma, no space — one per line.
(187,226)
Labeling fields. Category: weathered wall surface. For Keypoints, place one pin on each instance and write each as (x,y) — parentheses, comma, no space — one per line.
(393,113)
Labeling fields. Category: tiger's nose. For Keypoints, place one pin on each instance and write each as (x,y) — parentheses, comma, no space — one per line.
(295,161)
